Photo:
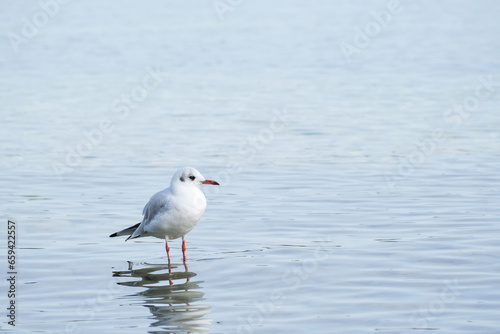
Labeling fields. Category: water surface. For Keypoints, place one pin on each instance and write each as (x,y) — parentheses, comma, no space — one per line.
(358,194)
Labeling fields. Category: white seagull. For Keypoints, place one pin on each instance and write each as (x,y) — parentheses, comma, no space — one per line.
(174,211)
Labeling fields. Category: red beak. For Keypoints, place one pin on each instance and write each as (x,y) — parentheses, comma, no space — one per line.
(210,182)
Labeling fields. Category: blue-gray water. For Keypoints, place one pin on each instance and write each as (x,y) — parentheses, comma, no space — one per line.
(356,144)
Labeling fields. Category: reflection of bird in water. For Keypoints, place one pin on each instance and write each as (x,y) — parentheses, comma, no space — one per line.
(170,295)
(172,212)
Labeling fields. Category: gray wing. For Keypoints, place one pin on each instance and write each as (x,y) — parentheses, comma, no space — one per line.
(158,202)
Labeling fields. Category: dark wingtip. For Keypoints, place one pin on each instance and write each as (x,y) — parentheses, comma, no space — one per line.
(113,235)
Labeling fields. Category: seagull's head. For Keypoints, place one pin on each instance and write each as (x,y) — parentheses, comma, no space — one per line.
(189,177)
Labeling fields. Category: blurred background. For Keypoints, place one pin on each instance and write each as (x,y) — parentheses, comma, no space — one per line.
(356,144)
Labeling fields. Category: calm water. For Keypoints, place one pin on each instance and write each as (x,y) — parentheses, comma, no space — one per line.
(357,148)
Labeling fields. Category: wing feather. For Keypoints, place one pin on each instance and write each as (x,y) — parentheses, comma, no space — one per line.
(157,203)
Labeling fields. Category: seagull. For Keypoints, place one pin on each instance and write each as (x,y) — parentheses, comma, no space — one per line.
(174,211)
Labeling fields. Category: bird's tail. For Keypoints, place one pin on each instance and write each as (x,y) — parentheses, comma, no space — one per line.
(127,231)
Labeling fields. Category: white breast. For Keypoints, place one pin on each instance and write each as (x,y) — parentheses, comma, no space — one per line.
(183,213)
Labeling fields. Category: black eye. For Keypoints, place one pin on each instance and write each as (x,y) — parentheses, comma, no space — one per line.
(192,177)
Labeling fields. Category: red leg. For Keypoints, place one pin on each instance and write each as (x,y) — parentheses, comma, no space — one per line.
(183,249)
(167,249)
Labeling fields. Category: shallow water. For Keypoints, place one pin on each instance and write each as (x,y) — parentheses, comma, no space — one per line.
(358,194)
